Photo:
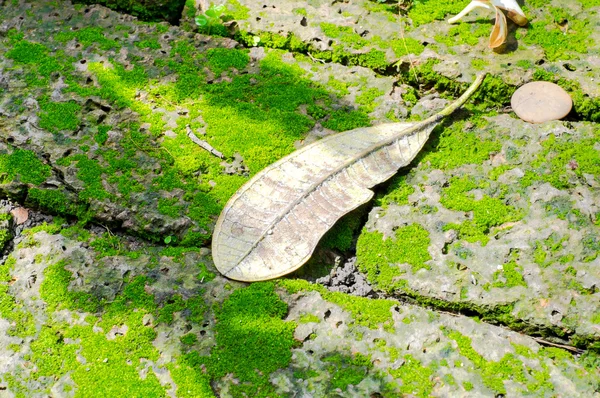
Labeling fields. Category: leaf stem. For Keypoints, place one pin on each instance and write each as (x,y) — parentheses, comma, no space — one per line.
(463,98)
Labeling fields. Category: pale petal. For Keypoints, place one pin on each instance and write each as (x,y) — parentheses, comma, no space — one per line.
(470,7)
(514,10)
(498,36)
(519,19)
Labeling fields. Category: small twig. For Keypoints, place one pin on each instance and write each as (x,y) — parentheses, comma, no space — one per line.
(202,144)
(315,59)
(411,67)
(110,233)
(563,346)
(149,150)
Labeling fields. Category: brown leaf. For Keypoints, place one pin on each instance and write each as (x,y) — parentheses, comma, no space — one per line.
(20,215)
(272,224)
(498,36)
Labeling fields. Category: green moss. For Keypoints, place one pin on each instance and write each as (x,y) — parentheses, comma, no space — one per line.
(54,356)
(586,106)
(425,11)
(272,40)
(373,59)
(366,312)
(340,87)
(221,59)
(479,64)
(309,318)
(237,10)
(564,157)
(88,36)
(40,65)
(545,251)
(27,52)
(45,227)
(345,370)
(346,119)
(5,234)
(591,247)
(91,174)
(525,64)
(464,33)
(408,45)
(76,232)
(379,258)
(300,11)
(453,145)
(397,192)
(498,171)
(252,340)
(345,34)
(169,207)
(487,212)
(190,382)
(102,135)
(494,373)
(367,97)
(493,92)
(107,245)
(55,291)
(59,116)
(190,9)
(511,273)
(22,323)
(416,379)
(150,43)
(558,44)
(24,165)
(341,235)
(174,304)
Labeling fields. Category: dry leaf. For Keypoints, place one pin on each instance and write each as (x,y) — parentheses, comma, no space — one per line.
(20,215)
(498,36)
(272,224)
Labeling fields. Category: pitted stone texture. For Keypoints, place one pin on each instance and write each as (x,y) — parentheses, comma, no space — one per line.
(555,244)
(417,335)
(20,109)
(380,28)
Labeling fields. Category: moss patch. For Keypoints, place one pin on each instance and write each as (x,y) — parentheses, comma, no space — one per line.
(510,367)
(221,59)
(558,43)
(378,257)
(425,11)
(24,165)
(564,158)
(487,212)
(397,192)
(59,116)
(414,377)
(22,323)
(252,340)
(366,312)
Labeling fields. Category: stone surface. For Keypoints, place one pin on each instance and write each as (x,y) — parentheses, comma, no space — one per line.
(146,10)
(495,240)
(491,233)
(539,102)
(407,350)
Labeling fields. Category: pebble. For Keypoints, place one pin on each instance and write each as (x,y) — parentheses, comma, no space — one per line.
(539,102)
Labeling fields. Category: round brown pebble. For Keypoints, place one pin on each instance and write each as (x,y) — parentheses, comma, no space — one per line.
(539,102)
